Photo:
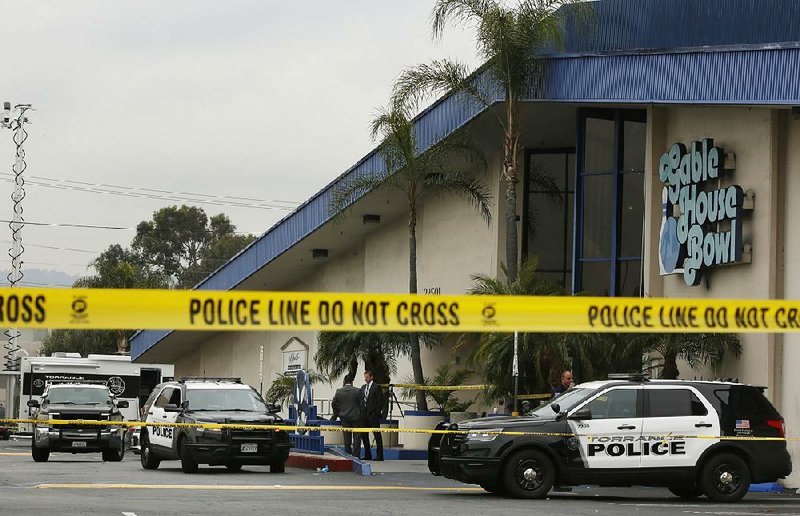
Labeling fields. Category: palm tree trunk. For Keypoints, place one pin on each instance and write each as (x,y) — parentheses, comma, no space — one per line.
(416,354)
(670,369)
(122,342)
(511,178)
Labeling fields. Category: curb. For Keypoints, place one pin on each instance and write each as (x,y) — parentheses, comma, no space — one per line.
(335,463)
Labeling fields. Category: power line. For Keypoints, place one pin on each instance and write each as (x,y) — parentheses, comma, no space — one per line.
(96,226)
(99,188)
(73,249)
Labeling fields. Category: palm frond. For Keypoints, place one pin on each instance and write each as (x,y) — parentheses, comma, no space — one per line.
(461,12)
(438,77)
(470,189)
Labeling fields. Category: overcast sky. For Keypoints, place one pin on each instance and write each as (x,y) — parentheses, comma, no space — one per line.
(260,99)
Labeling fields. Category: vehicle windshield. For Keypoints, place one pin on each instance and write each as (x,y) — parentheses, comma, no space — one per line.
(78,396)
(566,401)
(245,400)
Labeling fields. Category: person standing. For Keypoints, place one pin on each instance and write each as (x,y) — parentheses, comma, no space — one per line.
(566,383)
(372,411)
(346,405)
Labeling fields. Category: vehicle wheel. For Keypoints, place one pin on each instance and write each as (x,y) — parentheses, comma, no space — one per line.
(39,454)
(234,467)
(146,455)
(188,464)
(686,492)
(528,474)
(277,467)
(113,455)
(725,478)
(495,489)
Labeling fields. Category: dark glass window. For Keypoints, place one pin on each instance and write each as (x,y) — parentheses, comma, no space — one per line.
(548,212)
(610,202)
(675,403)
(616,403)
(164,398)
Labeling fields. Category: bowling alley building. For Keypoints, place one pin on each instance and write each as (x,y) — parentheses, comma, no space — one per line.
(672,131)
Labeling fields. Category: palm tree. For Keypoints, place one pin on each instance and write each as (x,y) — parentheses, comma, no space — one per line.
(506,40)
(622,353)
(697,349)
(417,177)
(340,352)
(541,355)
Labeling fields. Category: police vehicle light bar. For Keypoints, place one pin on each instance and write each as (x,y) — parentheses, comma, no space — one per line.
(633,377)
(185,379)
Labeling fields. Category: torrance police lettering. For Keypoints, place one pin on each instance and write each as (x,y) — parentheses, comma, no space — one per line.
(635,446)
(692,238)
(162,431)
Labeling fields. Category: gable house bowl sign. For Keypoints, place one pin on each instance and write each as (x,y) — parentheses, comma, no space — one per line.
(706,228)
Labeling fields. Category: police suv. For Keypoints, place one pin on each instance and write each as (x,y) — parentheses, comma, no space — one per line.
(211,400)
(74,400)
(689,436)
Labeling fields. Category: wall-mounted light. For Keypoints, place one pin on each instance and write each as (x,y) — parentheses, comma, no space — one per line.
(319,254)
(371,219)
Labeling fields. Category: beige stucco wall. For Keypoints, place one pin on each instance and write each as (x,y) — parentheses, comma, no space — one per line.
(751,134)
(790,356)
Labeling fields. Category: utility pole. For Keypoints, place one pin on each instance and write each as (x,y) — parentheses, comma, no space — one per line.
(15,119)
(515,373)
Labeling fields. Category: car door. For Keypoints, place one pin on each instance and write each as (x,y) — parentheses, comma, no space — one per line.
(161,436)
(608,439)
(678,421)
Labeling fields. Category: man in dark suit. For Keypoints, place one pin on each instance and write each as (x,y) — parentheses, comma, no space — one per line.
(372,411)
(346,405)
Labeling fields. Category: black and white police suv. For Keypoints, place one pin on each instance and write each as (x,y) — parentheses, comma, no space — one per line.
(75,400)
(624,432)
(211,400)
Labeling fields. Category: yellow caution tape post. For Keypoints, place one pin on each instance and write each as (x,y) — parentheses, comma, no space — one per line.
(298,311)
(326,428)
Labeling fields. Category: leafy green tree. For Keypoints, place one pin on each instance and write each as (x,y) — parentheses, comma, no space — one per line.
(117,267)
(185,245)
(79,341)
(416,178)
(506,38)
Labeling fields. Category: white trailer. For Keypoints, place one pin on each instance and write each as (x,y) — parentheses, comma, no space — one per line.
(126,380)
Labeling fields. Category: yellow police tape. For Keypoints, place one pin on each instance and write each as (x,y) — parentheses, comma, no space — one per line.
(297,311)
(420,387)
(295,428)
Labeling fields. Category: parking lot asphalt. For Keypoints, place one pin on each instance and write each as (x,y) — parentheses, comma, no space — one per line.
(84,484)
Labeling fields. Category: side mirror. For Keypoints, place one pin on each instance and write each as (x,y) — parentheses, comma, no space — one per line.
(33,403)
(123,404)
(556,408)
(171,407)
(580,415)
(272,408)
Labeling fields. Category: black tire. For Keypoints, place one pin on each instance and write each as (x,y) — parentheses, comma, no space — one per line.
(39,454)
(188,464)
(528,474)
(234,467)
(146,455)
(277,467)
(690,492)
(113,455)
(725,478)
(495,489)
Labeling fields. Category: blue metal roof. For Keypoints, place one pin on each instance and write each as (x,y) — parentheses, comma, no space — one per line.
(594,68)
(629,25)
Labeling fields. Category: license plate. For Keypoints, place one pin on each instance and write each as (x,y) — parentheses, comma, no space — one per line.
(249,448)
(78,444)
